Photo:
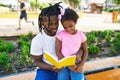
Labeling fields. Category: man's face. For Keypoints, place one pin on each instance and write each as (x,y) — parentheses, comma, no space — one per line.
(52,26)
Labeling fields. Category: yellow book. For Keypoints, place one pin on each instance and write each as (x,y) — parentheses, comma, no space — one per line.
(61,63)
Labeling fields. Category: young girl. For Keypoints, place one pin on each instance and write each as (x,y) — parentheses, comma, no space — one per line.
(68,43)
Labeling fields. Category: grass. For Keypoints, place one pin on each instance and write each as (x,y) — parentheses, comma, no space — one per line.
(16,15)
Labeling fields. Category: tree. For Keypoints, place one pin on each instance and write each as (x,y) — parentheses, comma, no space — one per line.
(73,3)
(34,4)
(117,1)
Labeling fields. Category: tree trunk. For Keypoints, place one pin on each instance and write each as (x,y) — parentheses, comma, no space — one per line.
(72,5)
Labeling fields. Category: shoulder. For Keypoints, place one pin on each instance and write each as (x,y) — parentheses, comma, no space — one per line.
(61,32)
(80,32)
(38,37)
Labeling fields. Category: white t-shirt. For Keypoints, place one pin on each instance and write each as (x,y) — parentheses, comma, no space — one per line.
(43,43)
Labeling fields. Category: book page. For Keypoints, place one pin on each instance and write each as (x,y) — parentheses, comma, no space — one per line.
(67,61)
(61,63)
(51,59)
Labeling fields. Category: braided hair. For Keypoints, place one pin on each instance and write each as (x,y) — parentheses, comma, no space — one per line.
(52,10)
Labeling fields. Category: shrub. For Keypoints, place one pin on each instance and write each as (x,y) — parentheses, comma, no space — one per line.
(6,46)
(108,38)
(91,39)
(93,50)
(95,33)
(105,33)
(116,45)
(5,60)
(24,58)
(117,36)
(24,37)
(43,6)
(22,43)
(30,35)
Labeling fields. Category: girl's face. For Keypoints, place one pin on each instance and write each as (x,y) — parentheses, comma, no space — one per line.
(52,26)
(69,26)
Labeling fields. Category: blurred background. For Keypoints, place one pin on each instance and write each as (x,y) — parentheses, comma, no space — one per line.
(93,6)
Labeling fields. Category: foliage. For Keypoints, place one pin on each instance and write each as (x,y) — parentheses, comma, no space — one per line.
(105,33)
(30,35)
(43,6)
(117,1)
(37,4)
(95,33)
(34,3)
(24,43)
(21,58)
(24,58)
(6,46)
(25,39)
(5,60)
(91,38)
(76,2)
(93,50)
(116,44)
(118,35)
(108,38)
(95,39)
(113,9)
(4,5)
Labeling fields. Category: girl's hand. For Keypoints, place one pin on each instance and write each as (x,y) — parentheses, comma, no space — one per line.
(79,68)
(73,67)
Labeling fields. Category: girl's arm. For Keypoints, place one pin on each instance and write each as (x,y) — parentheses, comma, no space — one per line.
(85,53)
(58,49)
(79,55)
(83,58)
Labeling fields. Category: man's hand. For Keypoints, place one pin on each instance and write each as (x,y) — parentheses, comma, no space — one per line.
(57,69)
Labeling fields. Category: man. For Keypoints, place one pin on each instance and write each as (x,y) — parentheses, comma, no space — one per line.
(45,41)
(23,14)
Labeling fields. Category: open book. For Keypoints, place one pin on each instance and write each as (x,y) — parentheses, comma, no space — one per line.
(61,63)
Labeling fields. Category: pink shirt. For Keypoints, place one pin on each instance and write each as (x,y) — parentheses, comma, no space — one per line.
(70,43)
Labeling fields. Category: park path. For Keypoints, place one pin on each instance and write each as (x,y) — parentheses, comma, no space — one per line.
(87,23)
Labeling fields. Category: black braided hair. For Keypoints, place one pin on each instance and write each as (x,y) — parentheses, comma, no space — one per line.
(69,14)
(52,10)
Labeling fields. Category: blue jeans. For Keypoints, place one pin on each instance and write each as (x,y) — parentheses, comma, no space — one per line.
(66,74)
(45,75)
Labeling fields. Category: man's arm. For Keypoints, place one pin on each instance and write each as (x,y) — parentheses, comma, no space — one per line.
(40,63)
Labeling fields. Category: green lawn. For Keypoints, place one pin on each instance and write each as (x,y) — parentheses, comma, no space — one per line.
(16,15)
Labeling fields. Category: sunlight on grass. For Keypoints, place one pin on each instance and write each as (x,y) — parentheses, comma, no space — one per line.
(16,15)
